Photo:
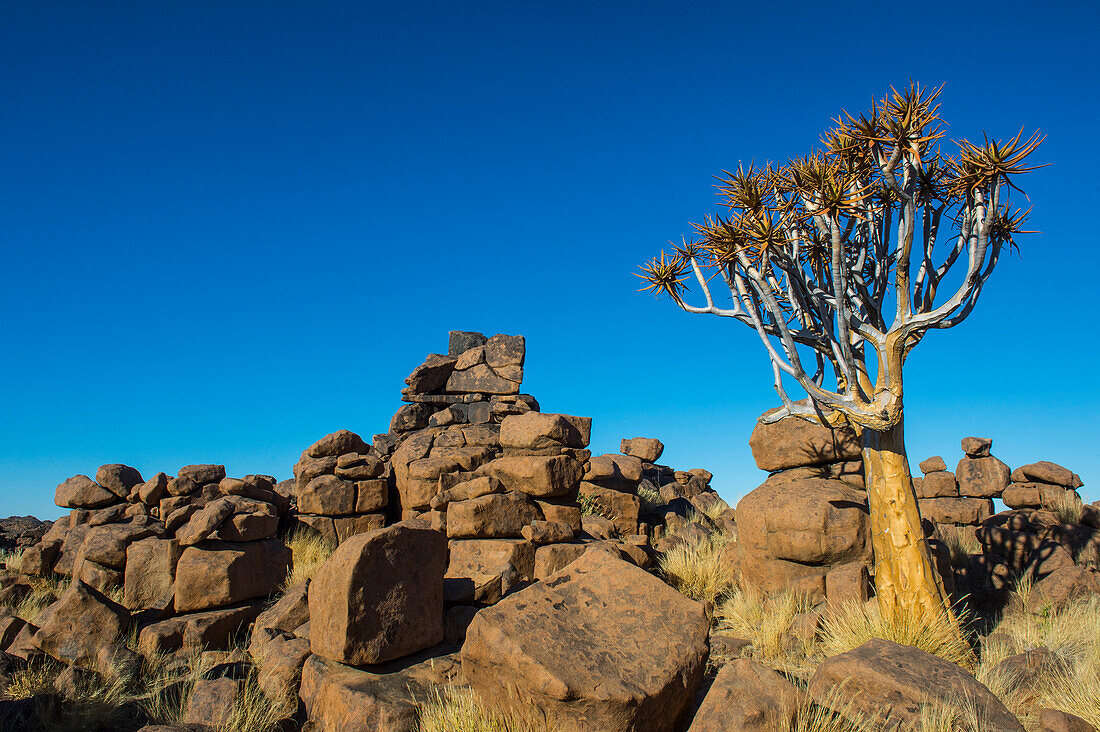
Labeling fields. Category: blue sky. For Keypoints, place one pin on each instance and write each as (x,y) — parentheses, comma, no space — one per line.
(231,228)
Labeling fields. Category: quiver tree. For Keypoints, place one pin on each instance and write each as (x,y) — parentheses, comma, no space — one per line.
(841,261)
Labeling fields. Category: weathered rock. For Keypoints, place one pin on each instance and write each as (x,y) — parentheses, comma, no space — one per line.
(562,511)
(106,545)
(324,526)
(1061,587)
(210,629)
(327,495)
(118,478)
(1046,472)
(540,476)
(617,506)
(554,557)
(494,516)
(150,572)
(977,447)
(286,614)
(848,584)
(339,698)
(202,474)
(279,667)
(1015,547)
(645,648)
(483,379)
(70,547)
(252,520)
(547,532)
(475,488)
(75,627)
(460,341)
(967,511)
(933,465)
(541,431)
(982,477)
(431,375)
(483,570)
(80,491)
(151,491)
(1034,495)
(307,468)
(938,484)
(353,466)
(794,442)
(1053,720)
(211,701)
(219,573)
(647,449)
(747,697)
(337,443)
(618,472)
(790,534)
(890,683)
(379,596)
(204,522)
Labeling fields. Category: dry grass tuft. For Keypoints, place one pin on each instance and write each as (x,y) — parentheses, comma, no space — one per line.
(309,550)
(851,626)
(44,590)
(460,710)
(255,711)
(960,543)
(650,498)
(1068,507)
(767,622)
(11,559)
(697,570)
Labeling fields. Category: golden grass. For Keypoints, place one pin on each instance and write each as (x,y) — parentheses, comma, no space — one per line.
(850,626)
(1068,507)
(960,543)
(44,590)
(460,710)
(696,568)
(255,711)
(767,622)
(11,559)
(308,550)
(650,498)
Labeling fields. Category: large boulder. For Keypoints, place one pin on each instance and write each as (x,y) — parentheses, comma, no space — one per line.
(539,476)
(80,491)
(118,478)
(1046,472)
(647,449)
(747,697)
(542,431)
(338,443)
(379,596)
(890,684)
(790,533)
(219,573)
(493,516)
(484,570)
(82,621)
(795,442)
(599,645)
(148,580)
(982,477)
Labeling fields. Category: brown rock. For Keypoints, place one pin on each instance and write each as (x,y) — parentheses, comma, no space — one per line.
(1015,547)
(337,443)
(619,472)
(211,701)
(553,557)
(182,486)
(154,489)
(289,612)
(431,375)
(982,477)
(1046,472)
(747,697)
(9,629)
(890,683)
(150,572)
(209,630)
(483,570)
(323,525)
(971,511)
(75,627)
(202,474)
(70,547)
(279,666)
(977,447)
(539,431)
(1062,587)
(118,478)
(494,516)
(933,465)
(848,584)
(562,513)
(354,466)
(475,488)
(1034,495)
(938,484)
(307,468)
(483,379)
(219,573)
(646,449)
(547,532)
(379,596)
(251,521)
(618,507)
(204,522)
(80,491)
(794,442)
(349,526)
(327,495)
(540,476)
(339,698)
(40,558)
(1053,720)
(645,648)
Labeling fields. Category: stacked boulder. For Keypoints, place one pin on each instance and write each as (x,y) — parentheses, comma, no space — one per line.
(965,497)
(807,527)
(341,487)
(1042,485)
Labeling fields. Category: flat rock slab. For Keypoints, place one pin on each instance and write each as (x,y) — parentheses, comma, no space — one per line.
(341,698)
(601,645)
(891,683)
(747,697)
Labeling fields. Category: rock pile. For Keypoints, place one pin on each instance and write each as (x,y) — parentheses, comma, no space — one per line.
(341,487)
(965,497)
(807,527)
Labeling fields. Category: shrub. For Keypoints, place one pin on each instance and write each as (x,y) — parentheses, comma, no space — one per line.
(850,626)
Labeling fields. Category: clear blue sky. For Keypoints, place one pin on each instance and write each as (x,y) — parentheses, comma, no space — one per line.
(231,228)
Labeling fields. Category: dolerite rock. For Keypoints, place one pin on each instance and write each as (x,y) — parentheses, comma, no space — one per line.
(118,478)
(80,491)
(976,447)
(337,443)
(211,701)
(794,442)
(646,449)
(1062,587)
(149,577)
(539,431)
(982,477)
(206,630)
(484,570)
(379,596)
(600,645)
(618,472)
(1054,720)
(790,534)
(536,475)
(493,368)
(620,507)
(201,474)
(747,697)
(890,683)
(963,511)
(431,375)
(1046,472)
(937,484)
(219,573)
(82,621)
(1035,495)
(933,465)
(493,516)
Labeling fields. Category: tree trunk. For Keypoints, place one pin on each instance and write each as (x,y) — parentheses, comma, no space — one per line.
(906,581)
